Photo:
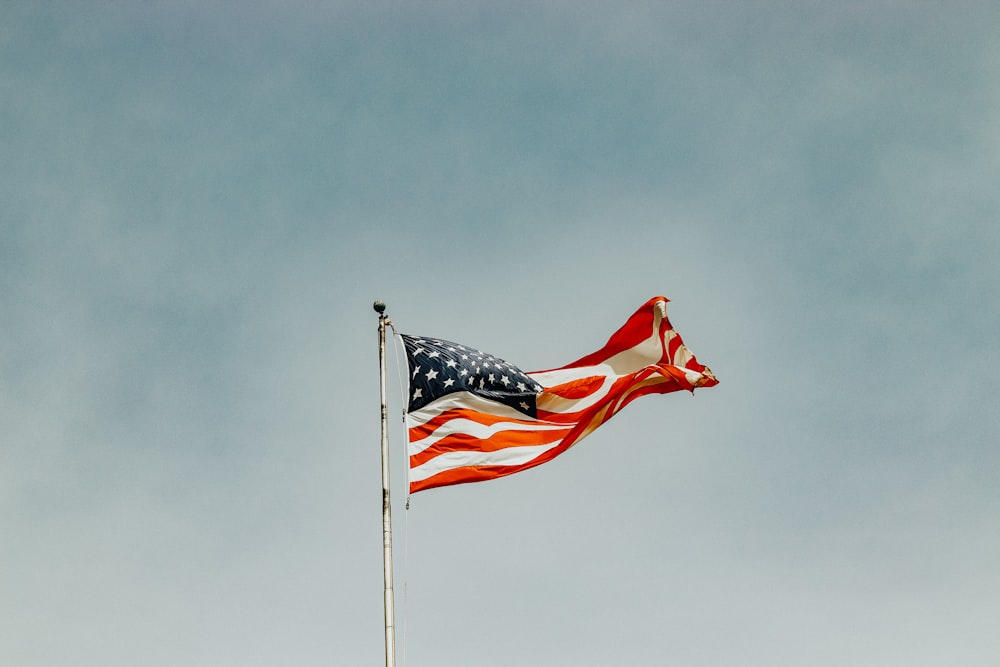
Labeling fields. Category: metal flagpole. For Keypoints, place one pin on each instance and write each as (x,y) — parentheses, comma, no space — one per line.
(390,632)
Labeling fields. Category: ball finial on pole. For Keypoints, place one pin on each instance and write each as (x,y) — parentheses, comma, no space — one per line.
(379,306)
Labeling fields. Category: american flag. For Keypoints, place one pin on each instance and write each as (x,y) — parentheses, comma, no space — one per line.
(472,416)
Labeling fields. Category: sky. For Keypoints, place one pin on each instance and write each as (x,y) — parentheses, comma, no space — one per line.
(201,200)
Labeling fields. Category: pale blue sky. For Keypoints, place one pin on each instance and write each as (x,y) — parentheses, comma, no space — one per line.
(201,200)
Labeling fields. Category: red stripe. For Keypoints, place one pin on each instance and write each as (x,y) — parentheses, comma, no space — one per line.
(558,417)
(577,389)
(674,345)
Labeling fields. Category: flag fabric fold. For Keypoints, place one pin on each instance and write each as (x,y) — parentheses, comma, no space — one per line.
(473,417)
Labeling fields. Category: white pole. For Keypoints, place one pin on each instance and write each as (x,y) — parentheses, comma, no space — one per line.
(390,633)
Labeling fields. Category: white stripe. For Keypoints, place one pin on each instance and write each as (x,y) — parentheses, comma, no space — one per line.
(511,456)
(481,431)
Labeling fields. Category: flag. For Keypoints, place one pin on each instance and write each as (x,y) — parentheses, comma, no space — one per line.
(473,417)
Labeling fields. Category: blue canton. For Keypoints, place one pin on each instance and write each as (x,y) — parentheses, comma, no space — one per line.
(439,367)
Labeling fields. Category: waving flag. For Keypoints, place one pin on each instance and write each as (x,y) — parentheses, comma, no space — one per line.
(472,416)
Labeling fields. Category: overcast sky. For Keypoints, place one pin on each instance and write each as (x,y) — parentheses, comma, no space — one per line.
(199,202)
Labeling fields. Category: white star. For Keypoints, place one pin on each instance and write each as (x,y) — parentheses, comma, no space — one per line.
(451,363)
(505,380)
(449,382)
(520,386)
(415,371)
(433,353)
(431,374)
(492,378)
(418,393)
(524,405)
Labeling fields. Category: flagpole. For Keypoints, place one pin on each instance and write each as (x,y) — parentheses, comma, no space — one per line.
(390,632)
